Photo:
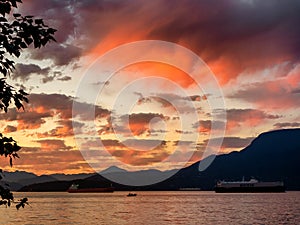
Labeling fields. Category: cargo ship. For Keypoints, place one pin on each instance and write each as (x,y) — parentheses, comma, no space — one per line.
(74,188)
(252,185)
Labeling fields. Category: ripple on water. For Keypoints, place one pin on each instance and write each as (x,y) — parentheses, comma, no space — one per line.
(156,208)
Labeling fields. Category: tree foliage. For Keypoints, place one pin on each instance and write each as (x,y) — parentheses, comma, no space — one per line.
(17,32)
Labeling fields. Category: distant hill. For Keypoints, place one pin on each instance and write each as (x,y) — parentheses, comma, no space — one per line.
(37,179)
(54,186)
(136,178)
(272,156)
(11,179)
(68,177)
(112,169)
(18,175)
(18,179)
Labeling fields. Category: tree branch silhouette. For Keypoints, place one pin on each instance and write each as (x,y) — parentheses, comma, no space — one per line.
(17,32)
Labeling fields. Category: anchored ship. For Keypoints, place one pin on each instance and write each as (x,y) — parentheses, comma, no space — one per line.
(252,185)
(76,189)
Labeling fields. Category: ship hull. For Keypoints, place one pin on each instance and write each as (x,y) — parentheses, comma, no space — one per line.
(249,189)
(91,190)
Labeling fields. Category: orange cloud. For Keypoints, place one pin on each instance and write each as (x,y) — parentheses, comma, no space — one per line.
(272,95)
(229,44)
(247,118)
(9,129)
(156,150)
(140,123)
(148,69)
(204,126)
(28,119)
(53,145)
(48,162)
(64,129)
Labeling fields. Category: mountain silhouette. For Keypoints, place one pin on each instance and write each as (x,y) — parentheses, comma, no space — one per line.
(272,156)
(18,179)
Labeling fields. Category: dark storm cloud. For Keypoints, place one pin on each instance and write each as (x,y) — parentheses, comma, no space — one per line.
(24,71)
(257,33)
(246,34)
(237,34)
(62,105)
(61,16)
(61,54)
(286,124)
(57,14)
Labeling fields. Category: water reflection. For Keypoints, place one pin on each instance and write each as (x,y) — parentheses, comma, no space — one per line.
(156,208)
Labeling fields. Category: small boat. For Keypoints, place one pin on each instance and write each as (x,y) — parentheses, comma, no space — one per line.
(74,188)
(189,189)
(252,185)
(131,194)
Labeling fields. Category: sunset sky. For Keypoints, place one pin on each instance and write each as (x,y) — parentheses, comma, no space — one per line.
(150,112)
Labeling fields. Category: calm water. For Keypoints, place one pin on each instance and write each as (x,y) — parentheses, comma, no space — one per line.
(156,208)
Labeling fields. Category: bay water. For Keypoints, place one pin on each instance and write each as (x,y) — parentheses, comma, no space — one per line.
(178,207)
